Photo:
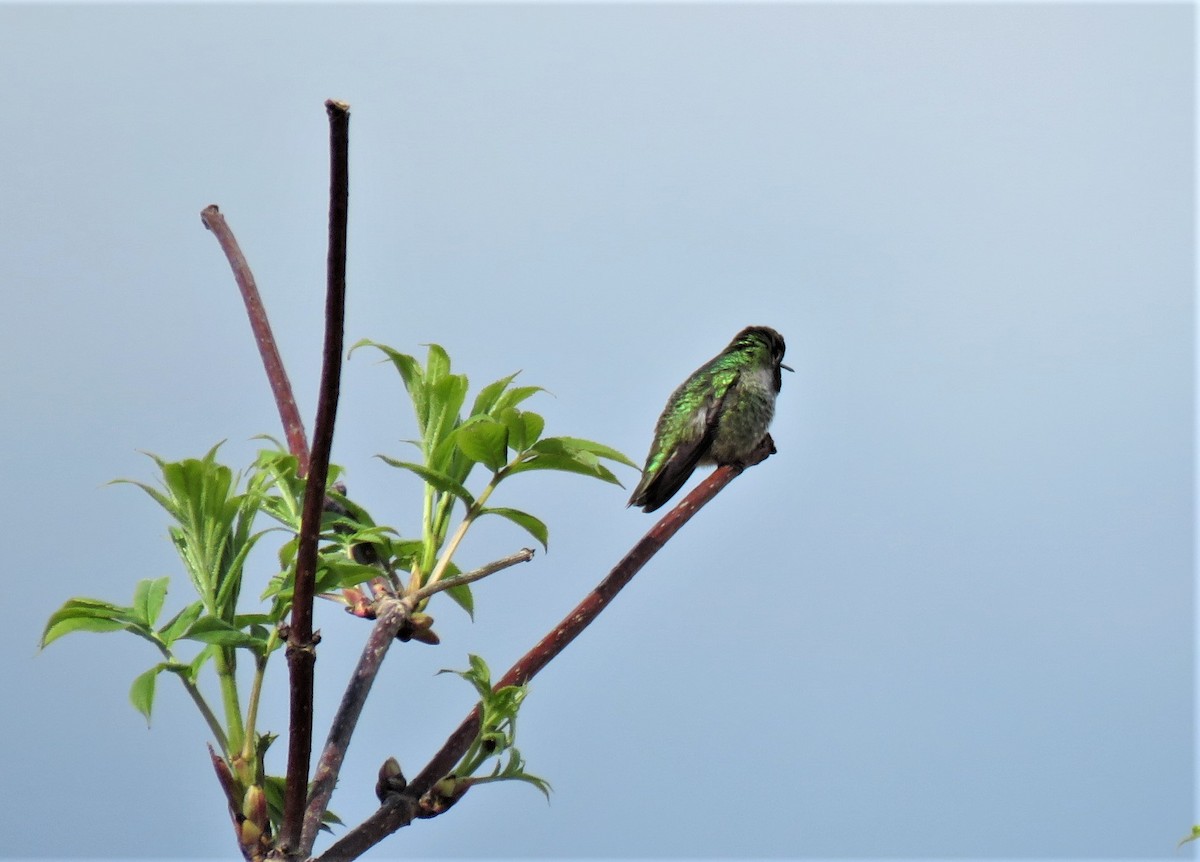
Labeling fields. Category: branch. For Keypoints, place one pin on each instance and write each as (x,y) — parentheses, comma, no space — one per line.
(390,619)
(400,809)
(342,728)
(228,786)
(522,556)
(281,387)
(301,651)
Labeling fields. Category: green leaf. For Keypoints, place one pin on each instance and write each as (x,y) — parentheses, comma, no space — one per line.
(437,363)
(570,445)
(78,624)
(148,599)
(445,402)
(531,524)
(566,464)
(411,373)
(515,396)
(204,656)
(463,597)
(141,693)
(488,395)
(438,480)
(180,623)
(213,630)
(485,441)
(1195,834)
(534,424)
(524,427)
(334,575)
(88,615)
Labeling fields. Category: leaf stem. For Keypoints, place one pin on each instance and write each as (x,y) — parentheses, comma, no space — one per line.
(225,664)
(210,718)
(455,540)
(260,670)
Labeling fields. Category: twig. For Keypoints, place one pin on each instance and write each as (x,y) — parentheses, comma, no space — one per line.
(301,652)
(225,778)
(522,556)
(400,809)
(281,387)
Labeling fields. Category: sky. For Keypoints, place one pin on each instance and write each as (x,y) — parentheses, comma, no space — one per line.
(952,617)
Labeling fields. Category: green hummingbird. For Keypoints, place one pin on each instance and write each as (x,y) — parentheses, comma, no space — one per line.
(719,415)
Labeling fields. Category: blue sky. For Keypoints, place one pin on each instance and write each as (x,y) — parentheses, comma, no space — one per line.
(952,617)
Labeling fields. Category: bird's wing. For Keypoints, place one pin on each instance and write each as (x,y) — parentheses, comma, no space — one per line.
(659,487)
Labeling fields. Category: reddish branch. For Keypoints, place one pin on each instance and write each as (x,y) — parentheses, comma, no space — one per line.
(383,634)
(301,648)
(400,809)
(281,387)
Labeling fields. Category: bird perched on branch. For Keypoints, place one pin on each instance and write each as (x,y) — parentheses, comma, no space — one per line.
(719,415)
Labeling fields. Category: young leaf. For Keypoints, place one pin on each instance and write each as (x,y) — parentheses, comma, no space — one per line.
(57,628)
(141,693)
(178,624)
(148,599)
(488,395)
(565,463)
(438,480)
(523,519)
(87,615)
(515,396)
(437,363)
(524,427)
(485,441)
(572,445)
(213,630)
(463,597)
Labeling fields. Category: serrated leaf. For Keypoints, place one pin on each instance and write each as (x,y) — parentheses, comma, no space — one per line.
(531,524)
(148,599)
(438,480)
(490,394)
(61,627)
(333,575)
(463,597)
(205,655)
(91,615)
(178,624)
(572,445)
(437,363)
(515,396)
(411,373)
(534,425)
(485,441)
(566,464)
(212,630)
(141,693)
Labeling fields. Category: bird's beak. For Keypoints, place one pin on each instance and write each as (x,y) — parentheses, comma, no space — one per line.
(786,367)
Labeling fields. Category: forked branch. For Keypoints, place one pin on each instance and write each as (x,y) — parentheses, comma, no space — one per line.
(416,801)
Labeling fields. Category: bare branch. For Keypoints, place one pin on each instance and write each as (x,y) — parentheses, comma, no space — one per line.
(391,616)
(522,556)
(228,786)
(301,649)
(400,809)
(281,387)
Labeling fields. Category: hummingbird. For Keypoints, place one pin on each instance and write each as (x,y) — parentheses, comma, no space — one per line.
(718,415)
